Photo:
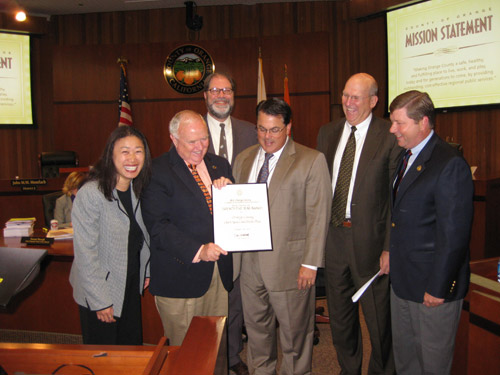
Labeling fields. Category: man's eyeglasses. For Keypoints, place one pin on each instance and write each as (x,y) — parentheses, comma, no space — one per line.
(263,130)
(216,91)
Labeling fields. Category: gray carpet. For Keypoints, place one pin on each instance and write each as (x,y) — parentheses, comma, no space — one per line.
(324,355)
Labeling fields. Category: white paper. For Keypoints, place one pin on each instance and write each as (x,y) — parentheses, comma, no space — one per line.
(241,217)
(361,290)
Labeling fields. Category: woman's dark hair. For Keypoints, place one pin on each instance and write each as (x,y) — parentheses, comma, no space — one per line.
(104,172)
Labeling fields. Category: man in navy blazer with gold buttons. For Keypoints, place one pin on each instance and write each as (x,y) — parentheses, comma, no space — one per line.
(432,213)
(190,275)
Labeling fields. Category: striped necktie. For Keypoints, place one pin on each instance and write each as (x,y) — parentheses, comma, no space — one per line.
(339,202)
(202,186)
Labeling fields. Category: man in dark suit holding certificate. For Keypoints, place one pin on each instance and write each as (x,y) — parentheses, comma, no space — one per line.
(432,212)
(190,274)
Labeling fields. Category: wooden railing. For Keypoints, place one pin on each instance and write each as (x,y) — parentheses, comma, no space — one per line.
(203,352)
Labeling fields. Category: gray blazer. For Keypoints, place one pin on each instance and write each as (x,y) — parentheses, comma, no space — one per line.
(62,211)
(99,270)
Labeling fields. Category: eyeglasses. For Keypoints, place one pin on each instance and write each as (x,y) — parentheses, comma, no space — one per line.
(215,91)
(263,130)
(354,98)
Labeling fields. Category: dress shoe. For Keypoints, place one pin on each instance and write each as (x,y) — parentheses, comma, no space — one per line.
(239,369)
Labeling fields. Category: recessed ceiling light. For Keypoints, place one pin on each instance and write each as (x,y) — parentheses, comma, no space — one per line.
(21,16)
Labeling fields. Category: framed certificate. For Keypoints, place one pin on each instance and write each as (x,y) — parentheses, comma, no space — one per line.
(241,217)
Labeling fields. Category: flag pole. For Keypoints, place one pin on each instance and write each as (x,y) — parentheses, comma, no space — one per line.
(261,84)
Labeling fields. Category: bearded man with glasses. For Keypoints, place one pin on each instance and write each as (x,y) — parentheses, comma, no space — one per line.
(228,137)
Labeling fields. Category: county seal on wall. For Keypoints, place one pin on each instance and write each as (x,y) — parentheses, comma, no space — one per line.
(186,68)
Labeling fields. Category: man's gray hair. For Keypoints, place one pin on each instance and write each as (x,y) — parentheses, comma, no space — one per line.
(179,117)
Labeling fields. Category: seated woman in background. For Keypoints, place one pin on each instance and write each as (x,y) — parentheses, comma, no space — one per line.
(111,265)
(64,204)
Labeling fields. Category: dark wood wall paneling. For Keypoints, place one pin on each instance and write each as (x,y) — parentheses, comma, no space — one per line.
(86,85)
(354,44)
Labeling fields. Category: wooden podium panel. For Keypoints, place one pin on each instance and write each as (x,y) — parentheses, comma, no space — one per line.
(203,352)
(484,334)
(479,323)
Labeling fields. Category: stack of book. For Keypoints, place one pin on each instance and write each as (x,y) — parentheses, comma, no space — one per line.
(21,227)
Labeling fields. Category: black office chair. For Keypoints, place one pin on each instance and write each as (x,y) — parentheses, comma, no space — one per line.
(49,205)
(51,161)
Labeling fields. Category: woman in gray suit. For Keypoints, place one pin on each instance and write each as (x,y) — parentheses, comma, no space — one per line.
(111,266)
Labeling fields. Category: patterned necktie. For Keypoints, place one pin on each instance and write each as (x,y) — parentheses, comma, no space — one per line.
(401,173)
(339,202)
(264,171)
(202,186)
(222,142)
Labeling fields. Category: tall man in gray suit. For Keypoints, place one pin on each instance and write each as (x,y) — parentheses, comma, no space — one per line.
(278,284)
(228,137)
(358,237)
(432,217)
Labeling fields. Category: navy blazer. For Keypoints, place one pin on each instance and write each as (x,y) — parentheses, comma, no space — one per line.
(431,225)
(179,222)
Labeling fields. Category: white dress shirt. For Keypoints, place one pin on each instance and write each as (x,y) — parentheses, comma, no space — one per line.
(214,126)
(360,135)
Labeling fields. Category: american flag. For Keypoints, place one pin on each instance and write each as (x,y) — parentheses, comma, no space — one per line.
(124,110)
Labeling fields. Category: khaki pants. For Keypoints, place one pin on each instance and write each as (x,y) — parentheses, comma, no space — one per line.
(176,313)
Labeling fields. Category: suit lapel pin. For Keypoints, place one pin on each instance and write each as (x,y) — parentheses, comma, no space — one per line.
(214,167)
(419,168)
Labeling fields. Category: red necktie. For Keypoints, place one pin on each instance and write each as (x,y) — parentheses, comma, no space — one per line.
(202,186)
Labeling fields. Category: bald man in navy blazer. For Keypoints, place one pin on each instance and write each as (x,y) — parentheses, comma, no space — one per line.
(432,211)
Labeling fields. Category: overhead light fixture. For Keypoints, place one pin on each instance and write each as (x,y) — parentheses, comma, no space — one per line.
(20,16)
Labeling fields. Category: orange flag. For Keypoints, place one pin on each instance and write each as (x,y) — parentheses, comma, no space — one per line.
(286,95)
